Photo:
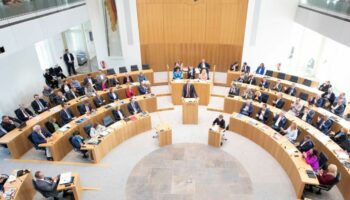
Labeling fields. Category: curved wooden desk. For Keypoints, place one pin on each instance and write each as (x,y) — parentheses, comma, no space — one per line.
(23,186)
(203,89)
(278,146)
(322,142)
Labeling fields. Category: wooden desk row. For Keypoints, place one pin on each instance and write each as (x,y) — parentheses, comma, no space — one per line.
(322,142)
(288,156)
(233,75)
(203,89)
(314,83)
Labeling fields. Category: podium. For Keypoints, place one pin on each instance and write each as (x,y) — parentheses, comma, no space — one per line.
(165,135)
(190,110)
(214,136)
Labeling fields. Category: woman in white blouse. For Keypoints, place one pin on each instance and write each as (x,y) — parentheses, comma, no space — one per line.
(296,107)
(291,132)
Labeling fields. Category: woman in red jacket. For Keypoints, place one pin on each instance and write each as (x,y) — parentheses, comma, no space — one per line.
(328,176)
(129,92)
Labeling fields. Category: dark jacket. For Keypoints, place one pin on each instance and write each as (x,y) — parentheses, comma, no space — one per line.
(20,114)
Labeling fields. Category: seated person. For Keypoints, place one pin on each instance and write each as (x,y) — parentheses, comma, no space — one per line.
(340,136)
(3,179)
(39,105)
(245,68)
(311,158)
(291,132)
(341,96)
(261,69)
(65,87)
(317,101)
(178,65)
(278,102)
(90,90)
(112,96)
(307,114)
(141,77)
(247,108)
(133,106)
(234,66)
(144,88)
(48,92)
(46,185)
(85,108)
(177,74)
(9,123)
(78,142)
(118,114)
(23,113)
(103,85)
(292,91)
(66,114)
(100,78)
(59,98)
(234,90)
(97,130)
(278,86)
(41,136)
(250,80)
(52,125)
(188,90)
(279,121)
(296,107)
(325,86)
(203,76)
(338,107)
(129,92)
(306,144)
(263,113)
(72,93)
(203,65)
(328,98)
(220,122)
(264,83)
(328,176)
(50,80)
(242,78)
(324,124)
(248,94)
(76,84)
(191,73)
(257,96)
(89,80)
(113,81)
(99,101)
(127,79)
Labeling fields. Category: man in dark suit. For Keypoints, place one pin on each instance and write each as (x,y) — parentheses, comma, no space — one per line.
(85,108)
(263,113)
(9,123)
(247,108)
(66,114)
(46,185)
(307,114)
(338,108)
(69,60)
(58,72)
(279,121)
(113,81)
(133,106)
(251,80)
(23,113)
(279,102)
(50,80)
(325,86)
(89,79)
(112,96)
(204,65)
(118,114)
(291,90)
(324,124)
(72,94)
(245,68)
(40,136)
(328,97)
(144,89)
(191,73)
(39,105)
(188,90)
(305,145)
(99,101)
(264,83)
(234,90)
(59,98)
(278,87)
(127,79)
(317,101)
(220,122)
(340,136)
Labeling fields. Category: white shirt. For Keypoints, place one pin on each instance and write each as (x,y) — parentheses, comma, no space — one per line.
(261,116)
(120,114)
(292,134)
(278,120)
(66,88)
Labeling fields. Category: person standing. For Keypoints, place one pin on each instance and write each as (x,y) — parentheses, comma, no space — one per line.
(69,60)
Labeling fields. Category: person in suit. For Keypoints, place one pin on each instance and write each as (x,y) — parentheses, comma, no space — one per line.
(248,94)
(245,68)
(247,108)
(340,136)
(263,113)
(127,79)
(129,92)
(328,97)
(52,125)
(69,60)
(72,94)
(234,66)
(204,65)
(338,108)
(100,78)
(59,72)
(59,98)
(296,107)
(261,69)
(305,145)
(50,80)
(341,96)
(307,114)
(278,102)
(113,81)
(177,74)
(9,123)
(90,90)
(65,87)
(3,179)
(324,87)
(48,92)
(112,96)
(292,91)
(47,185)
(39,105)
(118,114)
(279,121)
(144,88)
(257,96)
(99,101)
(324,124)
(251,80)
(291,132)
(23,113)
(141,77)
(41,136)
(188,90)
(66,114)
(234,90)
(77,142)
(264,83)
(133,106)
(220,122)
(89,80)
(317,101)
(278,86)
(191,73)
(85,108)
(242,78)
(203,76)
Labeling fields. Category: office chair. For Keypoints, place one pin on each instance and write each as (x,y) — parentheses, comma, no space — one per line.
(307,82)
(322,160)
(293,79)
(110,71)
(264,97)
(123,69)
(269,73)
(281,75)
(35,145)
(107,121)
(145,66)
(87,129)
(134,68)
(328,187)
(303,96)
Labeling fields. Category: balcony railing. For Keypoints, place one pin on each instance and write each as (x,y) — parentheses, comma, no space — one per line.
(338,7)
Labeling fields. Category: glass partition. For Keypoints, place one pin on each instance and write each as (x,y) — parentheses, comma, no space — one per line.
(337,6)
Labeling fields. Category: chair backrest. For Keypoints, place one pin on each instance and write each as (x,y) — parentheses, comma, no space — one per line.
(337,178)
(107,121)
(80,109)
(134,68)
(32,141)
(322,160)
(145,66)
(281,75)
(37,189)
(264,97)
(269,73)
(307,82)
(110,71)
(293,79)
(303,96)
(2,133)
(123,69)
(87,129)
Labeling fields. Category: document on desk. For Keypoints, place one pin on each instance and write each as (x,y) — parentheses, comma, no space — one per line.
(64,128)
(65,178)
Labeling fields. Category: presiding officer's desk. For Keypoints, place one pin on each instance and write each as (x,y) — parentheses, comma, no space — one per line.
(59,144)
(22,186)
(74,187)
(121,131)
(203,90)
(288,156)
(322,142)
(233,75)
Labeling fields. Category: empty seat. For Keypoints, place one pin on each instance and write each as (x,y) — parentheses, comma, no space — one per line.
(134,68)
(110,71)
(307,82)
(264,97)
(268,73)
(107,121)
(122,69)
(322,160)
(293,79)
(145,66)
(281,75)
(303,96)
(87,129)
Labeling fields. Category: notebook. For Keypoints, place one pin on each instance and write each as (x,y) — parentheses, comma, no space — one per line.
(65,178)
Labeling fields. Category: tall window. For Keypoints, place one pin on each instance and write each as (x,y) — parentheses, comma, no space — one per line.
(44,54)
